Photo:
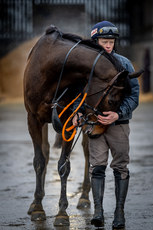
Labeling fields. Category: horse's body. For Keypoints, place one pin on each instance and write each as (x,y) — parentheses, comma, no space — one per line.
(40,81)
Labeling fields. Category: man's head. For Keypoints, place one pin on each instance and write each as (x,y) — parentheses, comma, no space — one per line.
(105,33)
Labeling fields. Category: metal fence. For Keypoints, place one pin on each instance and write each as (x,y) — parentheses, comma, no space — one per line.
(16,19)
(17,16)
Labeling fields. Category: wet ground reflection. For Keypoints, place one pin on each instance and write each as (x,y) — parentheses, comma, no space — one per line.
(18,179)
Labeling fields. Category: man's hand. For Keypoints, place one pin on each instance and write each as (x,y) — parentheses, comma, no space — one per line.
(75,119)
(109,119)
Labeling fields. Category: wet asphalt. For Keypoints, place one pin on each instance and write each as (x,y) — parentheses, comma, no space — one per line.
(17,177)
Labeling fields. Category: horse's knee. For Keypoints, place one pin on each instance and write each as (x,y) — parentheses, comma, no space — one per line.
(64,168)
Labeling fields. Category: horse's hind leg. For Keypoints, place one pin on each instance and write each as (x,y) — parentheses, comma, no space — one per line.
(84,201)
(64,170)
(45,148)
(39,162)
(45,143)
(58,141)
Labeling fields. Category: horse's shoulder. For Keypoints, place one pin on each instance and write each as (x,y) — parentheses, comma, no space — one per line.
(36,45)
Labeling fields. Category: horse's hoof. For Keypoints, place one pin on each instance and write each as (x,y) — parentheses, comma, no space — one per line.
(38,215)
(83,203)
(61,221)
(35,207)
(31,208)
(36,211)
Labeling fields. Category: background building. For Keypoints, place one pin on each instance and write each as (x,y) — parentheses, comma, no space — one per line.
(22,20)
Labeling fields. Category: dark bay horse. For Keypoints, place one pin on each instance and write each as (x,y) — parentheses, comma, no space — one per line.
(40,83)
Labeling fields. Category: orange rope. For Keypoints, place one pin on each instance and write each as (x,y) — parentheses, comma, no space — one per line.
(71,127)
(69,105)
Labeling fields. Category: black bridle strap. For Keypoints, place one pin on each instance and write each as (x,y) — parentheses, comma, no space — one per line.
(106,92)
(92,70)
(108,88)
(62,70)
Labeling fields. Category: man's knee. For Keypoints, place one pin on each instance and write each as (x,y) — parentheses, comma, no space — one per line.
(120,174)
(98,171)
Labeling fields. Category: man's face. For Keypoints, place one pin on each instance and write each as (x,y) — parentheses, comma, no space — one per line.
(107,44)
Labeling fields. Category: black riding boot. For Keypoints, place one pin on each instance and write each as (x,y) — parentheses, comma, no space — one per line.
(121,188)
(97,184)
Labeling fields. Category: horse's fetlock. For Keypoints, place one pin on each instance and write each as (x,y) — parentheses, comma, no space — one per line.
(39,196)
(63,204)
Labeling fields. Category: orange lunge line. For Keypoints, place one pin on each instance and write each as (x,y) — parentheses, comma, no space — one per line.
(72,127)
(69,105)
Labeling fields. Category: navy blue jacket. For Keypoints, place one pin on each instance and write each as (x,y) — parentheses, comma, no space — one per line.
(129,103)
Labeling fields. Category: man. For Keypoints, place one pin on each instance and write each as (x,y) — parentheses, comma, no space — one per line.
(115,139)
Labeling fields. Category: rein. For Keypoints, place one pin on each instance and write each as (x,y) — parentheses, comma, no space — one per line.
(55,117)
(82,101)
(100,100)
(55,104)
(64,166)
(61,74)
(108,88)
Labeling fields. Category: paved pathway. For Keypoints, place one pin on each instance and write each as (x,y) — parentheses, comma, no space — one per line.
(18,179)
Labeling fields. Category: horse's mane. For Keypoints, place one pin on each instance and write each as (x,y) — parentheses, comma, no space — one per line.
(86,42)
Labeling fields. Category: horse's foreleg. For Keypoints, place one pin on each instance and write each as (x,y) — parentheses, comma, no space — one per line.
(39,162)
(84,201)
(64,170)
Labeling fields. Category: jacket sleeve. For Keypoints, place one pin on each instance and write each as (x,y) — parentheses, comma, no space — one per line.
(77,102)
(131,102)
